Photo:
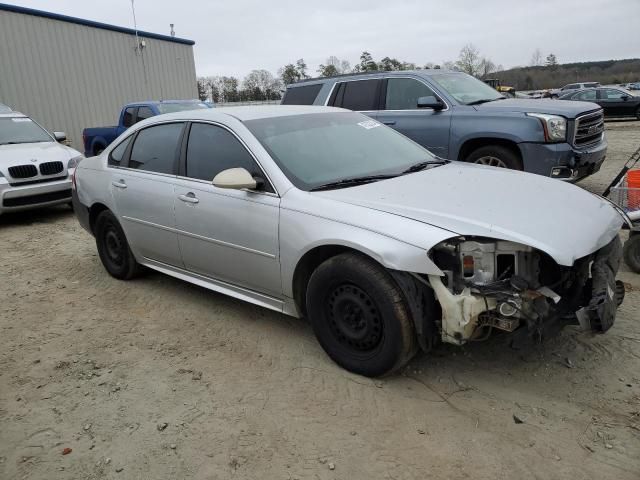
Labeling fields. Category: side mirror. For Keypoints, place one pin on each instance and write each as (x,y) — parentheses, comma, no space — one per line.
(60,136)
(235,178)
(430,102)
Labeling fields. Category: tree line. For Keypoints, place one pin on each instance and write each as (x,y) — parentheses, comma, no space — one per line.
(542,72)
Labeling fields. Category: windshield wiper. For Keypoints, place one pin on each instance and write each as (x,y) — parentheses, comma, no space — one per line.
(422,165)
(485,100)
(351,182)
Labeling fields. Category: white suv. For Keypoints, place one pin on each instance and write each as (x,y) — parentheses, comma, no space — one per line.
(35,170)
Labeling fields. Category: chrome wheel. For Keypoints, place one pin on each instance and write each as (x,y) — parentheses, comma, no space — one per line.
(491,161)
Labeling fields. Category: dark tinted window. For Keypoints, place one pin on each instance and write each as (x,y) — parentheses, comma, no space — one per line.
(117,154)
(212,149)
(301,95)
(156,148)
(587,96)
(403,93)
(127,120)
(144,113)
(359,95)
(611,94)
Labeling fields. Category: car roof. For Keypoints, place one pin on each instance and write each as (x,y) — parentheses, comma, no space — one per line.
(160,102)
(13,114)
(376,74)
(249,112)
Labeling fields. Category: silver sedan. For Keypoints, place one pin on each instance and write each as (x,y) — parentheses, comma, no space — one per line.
(327,214)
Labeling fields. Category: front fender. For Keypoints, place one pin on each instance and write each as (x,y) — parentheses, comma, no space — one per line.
(390,252)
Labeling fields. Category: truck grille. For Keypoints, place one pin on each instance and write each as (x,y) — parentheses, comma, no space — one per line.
(23,171)
(589,129)
(51,168)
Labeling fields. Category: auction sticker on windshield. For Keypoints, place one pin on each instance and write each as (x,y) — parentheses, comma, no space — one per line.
(369,124)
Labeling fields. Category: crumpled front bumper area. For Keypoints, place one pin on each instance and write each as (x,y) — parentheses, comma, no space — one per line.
(586,294)
(605,295)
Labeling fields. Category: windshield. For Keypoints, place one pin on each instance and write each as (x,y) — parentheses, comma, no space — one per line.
(321,148)
(180,107)
(465,88)
(21,130)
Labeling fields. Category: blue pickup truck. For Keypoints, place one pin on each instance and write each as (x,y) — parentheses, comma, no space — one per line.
(96,139)
(459,117)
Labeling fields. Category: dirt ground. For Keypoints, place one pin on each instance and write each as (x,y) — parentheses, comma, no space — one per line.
(159,379)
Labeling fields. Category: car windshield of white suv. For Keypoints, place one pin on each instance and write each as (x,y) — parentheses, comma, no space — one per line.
(321,151)
(180,107)
(21,130)
(466,89)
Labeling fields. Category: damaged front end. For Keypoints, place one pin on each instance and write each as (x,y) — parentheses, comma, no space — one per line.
(500,285)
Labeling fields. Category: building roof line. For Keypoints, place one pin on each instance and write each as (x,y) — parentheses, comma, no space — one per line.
(91,23)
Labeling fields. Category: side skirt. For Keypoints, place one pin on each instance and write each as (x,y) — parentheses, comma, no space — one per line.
(219,286)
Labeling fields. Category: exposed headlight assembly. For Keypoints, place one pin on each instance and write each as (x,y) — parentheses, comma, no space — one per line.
(73,163)
(554,126)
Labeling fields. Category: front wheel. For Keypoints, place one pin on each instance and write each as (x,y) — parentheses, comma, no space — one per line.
(632,252)
(495,156)
(360,316)
(113,248)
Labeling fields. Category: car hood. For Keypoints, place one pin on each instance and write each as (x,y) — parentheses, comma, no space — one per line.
(24,153)
(560,219)
(567,109)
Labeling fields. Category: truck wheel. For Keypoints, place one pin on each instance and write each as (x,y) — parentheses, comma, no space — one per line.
(632,252)
(113,248)
(495,156)
(360,316)
(98,150)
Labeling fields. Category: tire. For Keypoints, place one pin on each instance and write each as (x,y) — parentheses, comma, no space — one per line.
(98,150)
(638,113)
(632,252)
(113,248)
(495,156)
(360,316)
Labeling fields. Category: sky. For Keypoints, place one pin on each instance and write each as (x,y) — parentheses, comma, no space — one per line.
(234,37)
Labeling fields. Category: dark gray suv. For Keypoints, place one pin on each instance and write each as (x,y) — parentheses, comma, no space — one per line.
(458,117)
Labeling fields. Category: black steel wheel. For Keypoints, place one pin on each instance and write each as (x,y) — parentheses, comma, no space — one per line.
(360,316)
(113,248)
(632,252)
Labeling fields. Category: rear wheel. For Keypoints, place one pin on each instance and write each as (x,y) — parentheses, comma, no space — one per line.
(359,315)
(98,150)
(113,248)
(632,252)
(495,156)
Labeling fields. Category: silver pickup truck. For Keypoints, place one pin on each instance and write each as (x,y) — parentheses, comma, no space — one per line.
(458,117)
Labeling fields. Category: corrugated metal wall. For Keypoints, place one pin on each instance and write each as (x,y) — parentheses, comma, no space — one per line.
(69,76)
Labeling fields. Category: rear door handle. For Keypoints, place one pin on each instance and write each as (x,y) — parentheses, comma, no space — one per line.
(119,184)
(390,122)
(189,198)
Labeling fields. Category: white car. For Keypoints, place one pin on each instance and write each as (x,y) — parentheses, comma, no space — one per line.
(35,169)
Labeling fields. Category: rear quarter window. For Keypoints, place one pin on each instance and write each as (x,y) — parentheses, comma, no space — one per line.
(301,95)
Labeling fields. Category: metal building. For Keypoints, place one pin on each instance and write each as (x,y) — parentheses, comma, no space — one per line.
(69,73)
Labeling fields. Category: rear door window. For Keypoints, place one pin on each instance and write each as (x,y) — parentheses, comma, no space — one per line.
(156,148)
(588,96)
(358,95)
(612,94)
(403,93)
(128,117)
(144,113)
(117,154)
(301,95)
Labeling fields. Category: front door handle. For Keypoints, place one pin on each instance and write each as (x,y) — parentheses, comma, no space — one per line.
(189,198)
(390,122)
(119,184)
